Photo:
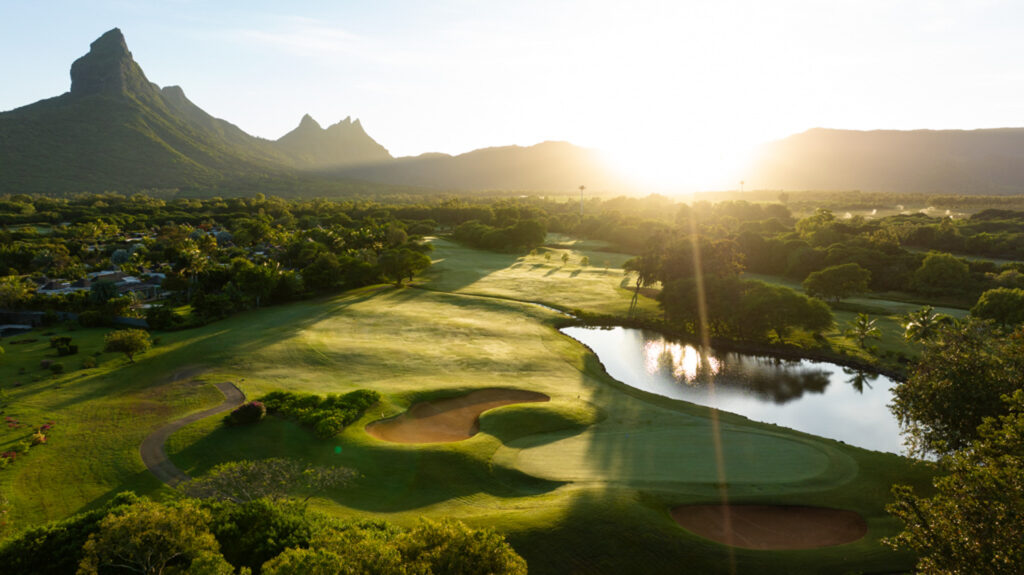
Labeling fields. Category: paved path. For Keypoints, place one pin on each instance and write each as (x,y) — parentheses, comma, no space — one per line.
(152,449)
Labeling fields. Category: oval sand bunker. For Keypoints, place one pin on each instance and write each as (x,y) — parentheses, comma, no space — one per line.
(451,419)
(772,526)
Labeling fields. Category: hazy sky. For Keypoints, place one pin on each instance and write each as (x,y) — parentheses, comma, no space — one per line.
(676,90)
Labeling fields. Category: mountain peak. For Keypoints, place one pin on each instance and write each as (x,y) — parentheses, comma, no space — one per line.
(108,68)
(308,122)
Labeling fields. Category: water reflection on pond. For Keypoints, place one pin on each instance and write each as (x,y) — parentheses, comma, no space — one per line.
(816,397)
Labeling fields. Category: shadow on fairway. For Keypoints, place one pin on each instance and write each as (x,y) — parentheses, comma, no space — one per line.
(456,267)
(390,477)
(242,334)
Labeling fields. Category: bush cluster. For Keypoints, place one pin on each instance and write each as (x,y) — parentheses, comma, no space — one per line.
(64,347)
(251,412)
(326,415)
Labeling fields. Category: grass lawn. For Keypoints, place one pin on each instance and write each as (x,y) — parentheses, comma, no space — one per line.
(581,484)
(600,287)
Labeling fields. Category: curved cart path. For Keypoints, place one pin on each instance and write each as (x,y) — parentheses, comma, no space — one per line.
(152,449)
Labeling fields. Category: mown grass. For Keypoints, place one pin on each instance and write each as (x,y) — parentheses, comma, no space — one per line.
(600,287)
(581,484)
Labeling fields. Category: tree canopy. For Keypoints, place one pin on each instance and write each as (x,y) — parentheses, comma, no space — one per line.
(959,380)
(837,282)
(1001,305)
(973,522)
(128,342)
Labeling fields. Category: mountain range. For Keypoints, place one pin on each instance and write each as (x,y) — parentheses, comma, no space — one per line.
(987,162)
(116,130)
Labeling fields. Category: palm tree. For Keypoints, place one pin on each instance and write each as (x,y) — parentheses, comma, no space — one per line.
(862,328)
(194,262)
(921,325)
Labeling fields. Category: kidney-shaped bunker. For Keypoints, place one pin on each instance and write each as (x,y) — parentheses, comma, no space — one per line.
(450,419)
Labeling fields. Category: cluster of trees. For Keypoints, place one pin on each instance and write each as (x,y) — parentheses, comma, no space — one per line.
(524,235)
(964,403)
(273,537)
(702,291)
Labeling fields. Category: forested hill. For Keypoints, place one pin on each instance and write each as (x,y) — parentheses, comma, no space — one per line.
(116,131)
(920,161)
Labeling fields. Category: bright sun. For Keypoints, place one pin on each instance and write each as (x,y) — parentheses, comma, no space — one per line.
(678,165)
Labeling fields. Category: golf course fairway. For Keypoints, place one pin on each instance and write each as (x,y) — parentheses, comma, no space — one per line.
(583,483)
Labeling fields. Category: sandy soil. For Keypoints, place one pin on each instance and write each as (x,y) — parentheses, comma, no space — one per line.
(772,526)
(451,419)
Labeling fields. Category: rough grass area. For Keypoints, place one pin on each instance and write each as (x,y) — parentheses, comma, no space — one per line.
(582,484)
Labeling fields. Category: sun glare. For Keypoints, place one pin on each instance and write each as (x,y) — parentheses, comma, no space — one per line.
(676,165)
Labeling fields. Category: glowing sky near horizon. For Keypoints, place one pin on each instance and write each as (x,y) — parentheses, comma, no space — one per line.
(675,91)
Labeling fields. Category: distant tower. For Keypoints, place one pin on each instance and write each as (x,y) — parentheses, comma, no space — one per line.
(581,200)
(741,185)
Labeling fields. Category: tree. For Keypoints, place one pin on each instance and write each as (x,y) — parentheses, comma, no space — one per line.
(253,532)
(941,273)
(1002,305)
(273,479)
(765,307)
(324,273)
(861,328)
(451,547)
(973,522)
(152,539)
(396,265)
(120,257)
(962,374)
(837,282)
(921,325)
(128,342)
(255,281)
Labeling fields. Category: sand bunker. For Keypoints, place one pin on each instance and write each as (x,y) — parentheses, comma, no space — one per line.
(451,419)
(771,526)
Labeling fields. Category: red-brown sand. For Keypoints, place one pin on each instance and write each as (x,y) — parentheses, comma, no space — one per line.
(451,419)
(771,526)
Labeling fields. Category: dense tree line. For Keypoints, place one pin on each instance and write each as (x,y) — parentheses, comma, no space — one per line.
(215,537)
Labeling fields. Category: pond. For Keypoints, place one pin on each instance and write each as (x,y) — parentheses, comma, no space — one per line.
(811,396)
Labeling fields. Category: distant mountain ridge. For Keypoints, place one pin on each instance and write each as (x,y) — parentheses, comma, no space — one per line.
(116,130)
(987,161)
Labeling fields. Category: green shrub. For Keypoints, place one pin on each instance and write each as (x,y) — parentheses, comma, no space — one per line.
(330,426)
(60,341)
(88,363)
(326,415)
(91,318)
(57,368)
(251,412)
(67,350)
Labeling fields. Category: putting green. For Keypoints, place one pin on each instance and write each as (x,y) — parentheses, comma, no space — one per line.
(679,455)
